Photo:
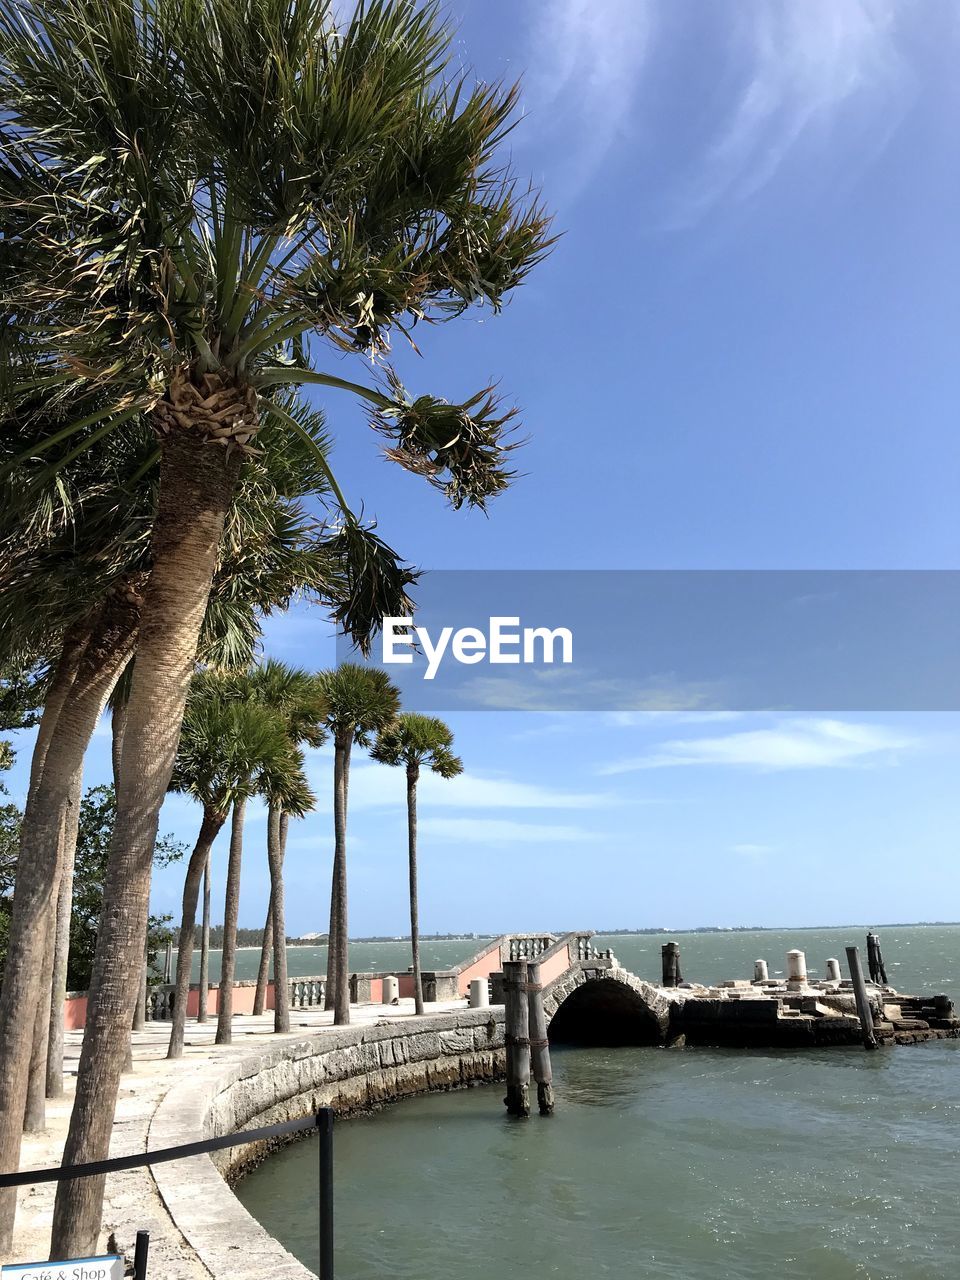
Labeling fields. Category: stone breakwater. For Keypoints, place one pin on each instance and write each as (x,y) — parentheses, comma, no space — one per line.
(351,1069)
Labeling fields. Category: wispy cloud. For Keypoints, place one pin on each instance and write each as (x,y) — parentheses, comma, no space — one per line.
(798,68)
(376,786)
(489,831)
(777,74)
(585,63)
(753,852)
(793,744)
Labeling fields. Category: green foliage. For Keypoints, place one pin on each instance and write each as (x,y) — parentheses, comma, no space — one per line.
(414,740)
(361,701)
(23,684)
(97,815)
(10,821)
(226,744)
(190,188)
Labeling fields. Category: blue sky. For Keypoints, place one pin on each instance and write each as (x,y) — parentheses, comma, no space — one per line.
(742,354)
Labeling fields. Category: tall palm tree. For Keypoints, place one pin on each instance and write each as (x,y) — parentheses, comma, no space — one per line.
(292,695)
(86,541)
(414,742)
(361,701)
(288,794)
(225,744)
(293,176)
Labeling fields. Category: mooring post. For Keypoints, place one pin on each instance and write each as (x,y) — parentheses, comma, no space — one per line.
(140,1255)
(760,971)
(833,970)
(539,1044)
(516,1019)
(670,964)
(875,959)
(796,968)
(863,1002)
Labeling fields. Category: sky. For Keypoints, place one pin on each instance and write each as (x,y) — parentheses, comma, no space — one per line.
(740,355)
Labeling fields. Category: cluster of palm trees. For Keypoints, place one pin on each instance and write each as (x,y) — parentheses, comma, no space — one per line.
(207,207)
(243,735)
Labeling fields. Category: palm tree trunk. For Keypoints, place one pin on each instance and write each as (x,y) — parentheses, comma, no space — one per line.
(72,650)
(118,719)
(197,481)
(341,784)
(204,993)
(281,988)
(338,921)
(34,902)
(266,954)
(209,829)
(35,1110)
(61,953)
(231,914)
(140,1012)
(413,774)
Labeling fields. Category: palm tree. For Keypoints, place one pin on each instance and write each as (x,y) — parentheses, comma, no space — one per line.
(292,176)
(288,794)
(294,697)
(225,743)
(361,701)
(415,741)
(86,542)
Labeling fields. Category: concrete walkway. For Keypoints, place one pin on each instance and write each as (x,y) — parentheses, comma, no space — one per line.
(134,1194)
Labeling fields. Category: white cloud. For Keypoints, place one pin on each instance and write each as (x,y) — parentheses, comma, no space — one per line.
(374,786)
(635,719)
(489,831)
(793,744)
(800,67)
(585,62)
(754,852)
(780,72)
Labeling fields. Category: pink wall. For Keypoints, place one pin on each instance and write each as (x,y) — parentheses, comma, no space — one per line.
(74,1013)
(554,965)
(482,967)
(75,1007)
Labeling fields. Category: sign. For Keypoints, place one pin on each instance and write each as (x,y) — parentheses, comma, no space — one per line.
(108,1267)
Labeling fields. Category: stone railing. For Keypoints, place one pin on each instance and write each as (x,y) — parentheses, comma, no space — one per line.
(527,946)
(307,993)
(304,993)
(159,1006)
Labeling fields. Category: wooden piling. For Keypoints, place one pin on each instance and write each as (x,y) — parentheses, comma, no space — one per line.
(539,1044)
(516,1022)
(875,964)
(670,964)
(863,1002)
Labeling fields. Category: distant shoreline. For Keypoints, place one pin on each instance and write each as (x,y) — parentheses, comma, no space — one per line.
(652,932)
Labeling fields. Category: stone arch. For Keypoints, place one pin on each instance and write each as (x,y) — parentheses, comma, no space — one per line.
(606,1007)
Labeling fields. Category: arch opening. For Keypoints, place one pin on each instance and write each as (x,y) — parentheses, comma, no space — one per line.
(604,1013)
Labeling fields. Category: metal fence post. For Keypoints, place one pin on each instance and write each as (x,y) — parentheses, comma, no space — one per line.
(325,1127)
(140,1255)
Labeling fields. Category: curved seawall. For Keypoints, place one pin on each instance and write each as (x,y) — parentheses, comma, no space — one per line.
(351,1069)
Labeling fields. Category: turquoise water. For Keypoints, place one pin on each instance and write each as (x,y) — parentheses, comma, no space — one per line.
(702,1163)
(305,962)
(914,955)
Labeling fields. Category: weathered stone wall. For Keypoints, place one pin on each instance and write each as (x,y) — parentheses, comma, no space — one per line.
(351,1069)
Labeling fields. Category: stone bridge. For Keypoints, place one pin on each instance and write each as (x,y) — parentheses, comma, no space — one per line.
(589,999)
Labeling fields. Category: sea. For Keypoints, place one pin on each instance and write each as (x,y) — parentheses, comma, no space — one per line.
(816,1165)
